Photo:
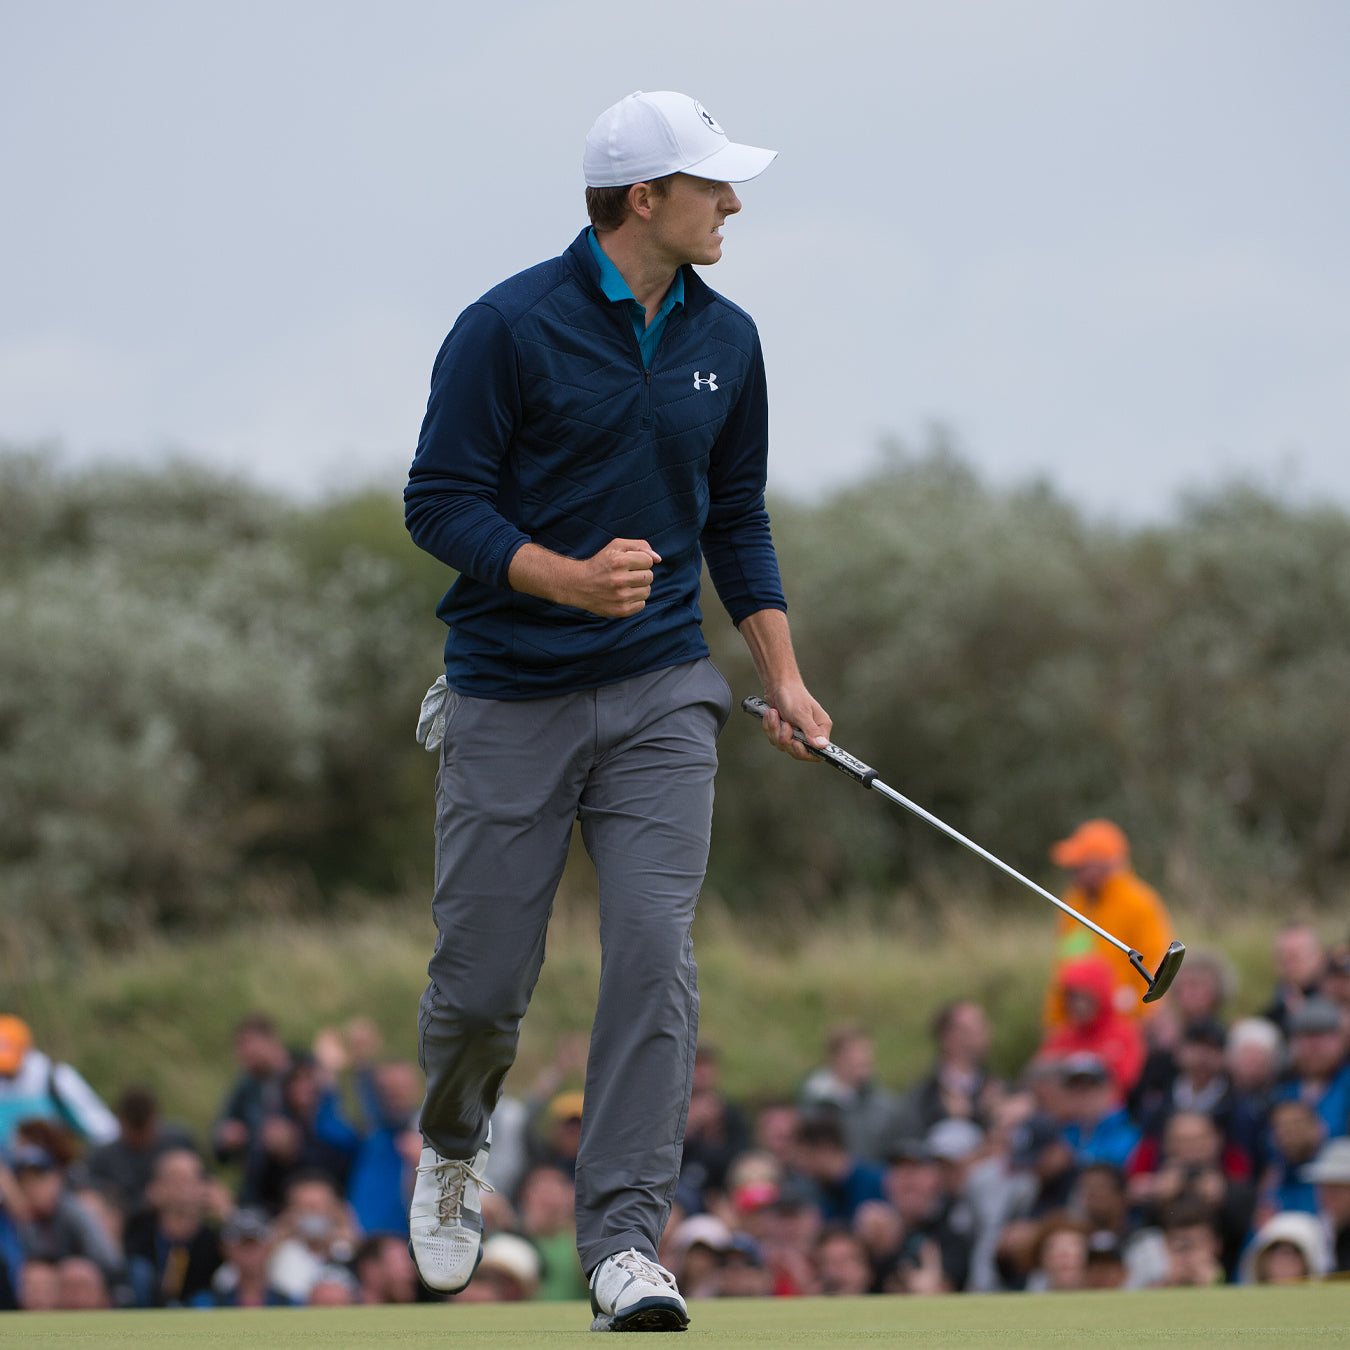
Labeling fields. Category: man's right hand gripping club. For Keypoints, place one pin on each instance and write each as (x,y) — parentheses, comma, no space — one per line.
(614,583)
(791,706)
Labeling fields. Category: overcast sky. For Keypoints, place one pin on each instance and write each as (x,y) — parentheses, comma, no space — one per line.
(1103,243)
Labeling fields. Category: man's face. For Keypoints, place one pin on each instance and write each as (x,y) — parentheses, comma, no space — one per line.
(1197,993)
(1064,1258)
(914,1188)
(302,1091)
(793,1227)
(41,1187)
(255,1052)
(1252,1065)
(843,1267)
(1101,1198)
(1200,1061)
(1297,1131)
(776,1128)
(968,1032)
(547,1202)
(82,1286)
(1281,1263)
(1190,1140)
(179,1182)
(1092,876)
(853,1063)
(248,1255)
(1316,1054)
(1298,955)
(311,1197)
(400,1088)
(1190,1254)
(686,223)
(742,1277)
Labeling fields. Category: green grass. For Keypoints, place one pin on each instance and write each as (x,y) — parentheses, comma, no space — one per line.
(1252,1319)
(161,1014)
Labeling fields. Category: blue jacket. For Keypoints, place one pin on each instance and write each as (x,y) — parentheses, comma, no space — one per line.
(1111,1140)
(1332,1102)
(841,1201)
(543,426)
(378,1188)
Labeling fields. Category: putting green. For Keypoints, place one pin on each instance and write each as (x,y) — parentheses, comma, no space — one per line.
(1246,1318)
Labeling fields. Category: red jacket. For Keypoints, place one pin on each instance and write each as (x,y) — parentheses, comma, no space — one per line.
(1115,1039)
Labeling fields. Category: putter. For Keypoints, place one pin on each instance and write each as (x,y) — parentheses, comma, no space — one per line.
(1158,983)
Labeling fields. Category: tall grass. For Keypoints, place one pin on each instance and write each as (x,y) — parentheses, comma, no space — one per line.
(161,1014)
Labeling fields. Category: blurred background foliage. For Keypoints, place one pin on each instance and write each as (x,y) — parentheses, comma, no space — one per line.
(207,697)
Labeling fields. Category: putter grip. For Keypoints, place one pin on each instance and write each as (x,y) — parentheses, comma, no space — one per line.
(831,753)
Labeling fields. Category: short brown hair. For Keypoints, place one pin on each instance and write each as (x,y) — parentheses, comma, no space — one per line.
(608,206)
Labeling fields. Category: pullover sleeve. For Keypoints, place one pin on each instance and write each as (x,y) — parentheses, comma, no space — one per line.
(451,501)
(736,539)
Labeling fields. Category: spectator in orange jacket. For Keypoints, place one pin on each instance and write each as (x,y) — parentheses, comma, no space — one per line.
(1105,890)
(1092,1026)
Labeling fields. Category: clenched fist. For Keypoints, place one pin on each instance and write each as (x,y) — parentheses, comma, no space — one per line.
(613,583)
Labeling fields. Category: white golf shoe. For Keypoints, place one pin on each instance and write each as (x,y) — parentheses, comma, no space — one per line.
(445,1219)
(630,1292)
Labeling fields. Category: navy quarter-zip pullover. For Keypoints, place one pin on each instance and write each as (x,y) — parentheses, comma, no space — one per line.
(543,425)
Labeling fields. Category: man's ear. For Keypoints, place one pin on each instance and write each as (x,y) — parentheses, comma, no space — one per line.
(640,198)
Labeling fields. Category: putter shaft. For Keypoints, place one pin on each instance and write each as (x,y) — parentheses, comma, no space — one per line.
(867,776)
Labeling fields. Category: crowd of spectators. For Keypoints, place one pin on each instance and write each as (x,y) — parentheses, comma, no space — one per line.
(1184,1148)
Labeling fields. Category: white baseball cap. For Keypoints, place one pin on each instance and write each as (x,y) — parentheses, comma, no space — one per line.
(646,136)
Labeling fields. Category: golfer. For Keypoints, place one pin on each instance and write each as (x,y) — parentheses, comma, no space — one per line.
(597,428)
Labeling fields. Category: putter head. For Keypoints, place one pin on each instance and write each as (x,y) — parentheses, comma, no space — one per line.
(1160,982)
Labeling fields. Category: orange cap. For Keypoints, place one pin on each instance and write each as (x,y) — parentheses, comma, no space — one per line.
(15,1042)
(1094,841)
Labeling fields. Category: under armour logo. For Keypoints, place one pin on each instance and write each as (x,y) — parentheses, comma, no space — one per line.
(708,118)
(710,382)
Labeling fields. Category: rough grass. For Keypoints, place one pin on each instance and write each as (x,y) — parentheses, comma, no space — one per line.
(162,1013)
(1252,1319)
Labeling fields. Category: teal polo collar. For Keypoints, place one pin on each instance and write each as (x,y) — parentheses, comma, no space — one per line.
(616,288)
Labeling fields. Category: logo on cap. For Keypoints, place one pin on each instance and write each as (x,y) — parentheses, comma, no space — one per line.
(708,118)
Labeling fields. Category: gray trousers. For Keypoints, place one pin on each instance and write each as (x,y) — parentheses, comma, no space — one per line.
(634,762)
